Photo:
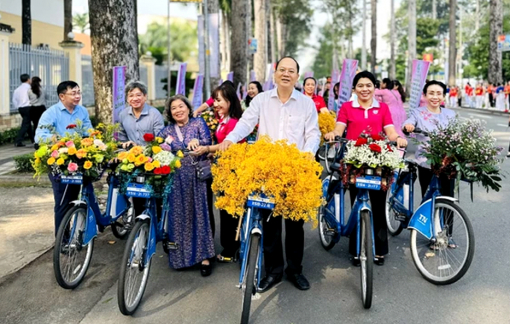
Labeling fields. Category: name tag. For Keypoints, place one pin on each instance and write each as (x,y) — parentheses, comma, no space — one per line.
(138,190)
(260,201)
(369,182)
(73,179)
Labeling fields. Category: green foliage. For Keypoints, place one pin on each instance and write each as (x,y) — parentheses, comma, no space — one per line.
(297,16)
(183,39)
(94,121)
(9,136)
(81,22)
(22,162)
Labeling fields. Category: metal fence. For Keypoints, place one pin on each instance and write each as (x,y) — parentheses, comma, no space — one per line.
(87,86)
(161,72)
(52,66)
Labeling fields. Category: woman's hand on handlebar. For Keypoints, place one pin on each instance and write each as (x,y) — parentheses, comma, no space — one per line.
(401,142)
(408,128)
(330,136)
(127,145)
(200,150)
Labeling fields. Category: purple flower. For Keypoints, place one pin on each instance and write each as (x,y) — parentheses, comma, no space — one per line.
(165,147)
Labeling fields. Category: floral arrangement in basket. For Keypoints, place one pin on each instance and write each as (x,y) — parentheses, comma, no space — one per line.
(327,123)
(154,159)
(278,170)
(211,120)
(465,150)
(371,151)
(73,154)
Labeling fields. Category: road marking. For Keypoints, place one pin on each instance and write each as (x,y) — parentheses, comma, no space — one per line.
(480,116)
(502,125)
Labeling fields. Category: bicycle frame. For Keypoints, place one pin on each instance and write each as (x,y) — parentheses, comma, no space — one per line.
(156,229)
(252,224)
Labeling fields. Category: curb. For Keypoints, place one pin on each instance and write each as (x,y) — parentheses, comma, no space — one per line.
(482,110)
(24,178)
(8,276)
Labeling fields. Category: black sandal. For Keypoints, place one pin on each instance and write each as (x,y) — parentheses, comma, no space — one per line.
(379,260)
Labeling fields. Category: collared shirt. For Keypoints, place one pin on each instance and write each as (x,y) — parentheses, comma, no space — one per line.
(59,117)
(133,129)
(20,96)
(35,100)
(295,120)
(225,127)
(358,119)
(319,102)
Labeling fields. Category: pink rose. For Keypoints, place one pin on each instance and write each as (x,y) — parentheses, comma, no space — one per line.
(69,143)
(54,154)
(169,139)
(72,167)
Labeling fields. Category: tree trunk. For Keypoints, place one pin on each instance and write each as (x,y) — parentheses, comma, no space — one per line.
(373,41)
(496,29)
(260,59)
(452,49)
(239,52)
(68,18)
(280,32)
(249,31)
(392,41)
(272,29)
(411,42)
(225,41)
(114,37)
(350,48)
(434,11)
(364,37)
(213,7)
(26,23)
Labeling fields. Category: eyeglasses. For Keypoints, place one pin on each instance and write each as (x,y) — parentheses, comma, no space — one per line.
(289,71)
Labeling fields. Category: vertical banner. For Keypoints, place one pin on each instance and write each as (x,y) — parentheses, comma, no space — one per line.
(214,45)
(181,80)
(308,74)
(348,72)
(269,80)
(198,91)
(253,76)
(238,91)
(118,86)
(220,82)
(335,76)
(418,77)
(230,76)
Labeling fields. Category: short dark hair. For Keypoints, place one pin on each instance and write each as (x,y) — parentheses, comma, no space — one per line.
(228,82)
(388,82)
(308,78)
(363,74)
(63,86)
(248,99)
(290,57)
(434,82)
(135,84)
(168,106)
(229,94)
(24,78)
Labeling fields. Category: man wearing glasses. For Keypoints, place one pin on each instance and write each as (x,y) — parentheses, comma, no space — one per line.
(59,116)
(282,113)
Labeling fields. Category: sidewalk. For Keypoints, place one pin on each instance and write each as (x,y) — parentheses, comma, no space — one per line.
(7,152)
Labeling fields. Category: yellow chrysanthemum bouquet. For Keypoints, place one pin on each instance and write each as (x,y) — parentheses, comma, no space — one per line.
(73,154)
(327,122)
(278,170)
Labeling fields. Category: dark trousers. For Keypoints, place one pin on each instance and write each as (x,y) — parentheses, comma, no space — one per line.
(210,206)
(273,249)
(491,100)
(35,114)
(378,204)
(228,228)
(63,198)
(425,176)
(26,128)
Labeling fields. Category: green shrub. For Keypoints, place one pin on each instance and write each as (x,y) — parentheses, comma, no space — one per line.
(9,136)
(94,121)
(22,162)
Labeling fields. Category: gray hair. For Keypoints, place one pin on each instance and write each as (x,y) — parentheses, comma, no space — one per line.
(135,85)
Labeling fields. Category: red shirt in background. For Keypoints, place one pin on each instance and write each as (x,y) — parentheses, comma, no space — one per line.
(319,102)
(479,91)
(453,92)
(358,119)
(226,125)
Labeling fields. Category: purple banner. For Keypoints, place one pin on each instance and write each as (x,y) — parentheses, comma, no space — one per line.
(238,91)
(230,76)
(253,76)
(181,80)
(335,77)
(418,77)
(348,72)
(308,74)
(198,91)
(118,86)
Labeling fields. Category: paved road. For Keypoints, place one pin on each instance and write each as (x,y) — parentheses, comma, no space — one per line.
(401,295)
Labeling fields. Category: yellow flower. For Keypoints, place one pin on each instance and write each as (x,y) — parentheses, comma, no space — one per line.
(131,157)
(87,165)
(87,142)
(81,153)
(159,140)
(71,151)
(149,166)
(156,164)
(37,161)
(60,161)
(137,150)
(156,149)
(55,147)
(50,161)
(178,163)
(122,155)
(179,154)
(327,123)
(140,160)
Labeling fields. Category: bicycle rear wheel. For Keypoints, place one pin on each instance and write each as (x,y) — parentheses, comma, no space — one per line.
(366,258)
(248,285)
(134,273)
(394,225)
(325,234)
(447,260)
(71,259)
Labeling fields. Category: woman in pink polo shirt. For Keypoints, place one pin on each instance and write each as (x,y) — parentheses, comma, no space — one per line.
(367,114)
(309,85)
(228,107)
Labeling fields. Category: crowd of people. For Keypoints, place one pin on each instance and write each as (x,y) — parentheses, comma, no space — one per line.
(280,113)
(483,95)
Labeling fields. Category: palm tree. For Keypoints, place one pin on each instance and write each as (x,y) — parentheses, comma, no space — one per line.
(496,29)
(81,22)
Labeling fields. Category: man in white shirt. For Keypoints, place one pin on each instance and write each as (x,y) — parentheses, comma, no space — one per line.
(21,102)
(282,113)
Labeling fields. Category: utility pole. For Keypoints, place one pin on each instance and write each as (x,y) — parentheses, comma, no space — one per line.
(363,45)
(411,42)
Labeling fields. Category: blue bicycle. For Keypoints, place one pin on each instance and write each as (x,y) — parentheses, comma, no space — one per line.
(331,217)
(251,250)
(438,220)
(74,242)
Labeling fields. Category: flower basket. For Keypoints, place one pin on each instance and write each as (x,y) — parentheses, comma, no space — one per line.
(211,120)
(72,154)
(277,170)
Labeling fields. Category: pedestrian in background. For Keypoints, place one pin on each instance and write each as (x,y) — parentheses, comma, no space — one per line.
(21,101)
(394,101)
(37,101)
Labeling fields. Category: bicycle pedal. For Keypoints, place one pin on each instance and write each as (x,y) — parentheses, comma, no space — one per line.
(330,232)
(172,245)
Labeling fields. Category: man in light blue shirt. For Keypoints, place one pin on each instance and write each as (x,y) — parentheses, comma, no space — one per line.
(66,112)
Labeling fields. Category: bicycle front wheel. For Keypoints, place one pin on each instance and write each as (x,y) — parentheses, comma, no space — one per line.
(366,257)
(134,273)
(251,274)
(326,235)
(71,258)
(394,225)
(445,261)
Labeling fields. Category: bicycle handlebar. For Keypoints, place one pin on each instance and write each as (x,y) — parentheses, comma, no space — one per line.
(415,131)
